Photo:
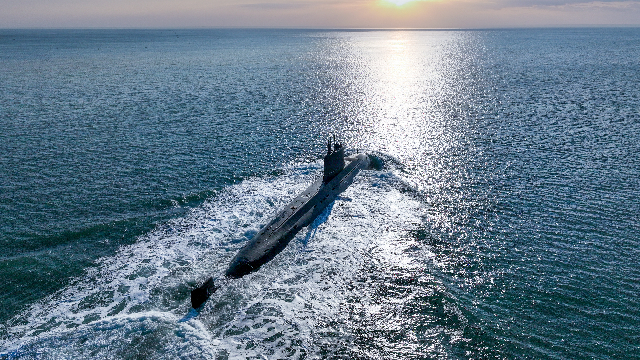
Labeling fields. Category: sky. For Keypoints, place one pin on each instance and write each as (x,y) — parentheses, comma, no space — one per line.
(316,13)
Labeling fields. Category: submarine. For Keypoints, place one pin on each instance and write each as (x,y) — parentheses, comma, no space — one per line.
(339,172)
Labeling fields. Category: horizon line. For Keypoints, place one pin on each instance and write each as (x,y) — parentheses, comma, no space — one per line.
(555,26)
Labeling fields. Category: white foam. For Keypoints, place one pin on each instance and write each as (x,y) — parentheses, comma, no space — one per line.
(142,291)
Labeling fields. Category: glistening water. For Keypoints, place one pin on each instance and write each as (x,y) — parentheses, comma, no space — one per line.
(503,223)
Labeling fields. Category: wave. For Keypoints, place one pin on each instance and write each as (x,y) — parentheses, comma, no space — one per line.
(334,291)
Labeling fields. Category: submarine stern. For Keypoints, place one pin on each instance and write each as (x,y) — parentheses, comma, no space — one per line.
(239,267)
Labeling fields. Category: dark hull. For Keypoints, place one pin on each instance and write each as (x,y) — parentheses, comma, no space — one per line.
(301,212)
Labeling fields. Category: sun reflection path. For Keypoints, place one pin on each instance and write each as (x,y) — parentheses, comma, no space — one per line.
(415,98)
(403,83)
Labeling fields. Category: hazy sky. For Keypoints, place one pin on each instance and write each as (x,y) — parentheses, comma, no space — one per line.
(315,13)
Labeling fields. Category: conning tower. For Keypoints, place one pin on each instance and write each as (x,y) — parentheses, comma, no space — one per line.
(333,161)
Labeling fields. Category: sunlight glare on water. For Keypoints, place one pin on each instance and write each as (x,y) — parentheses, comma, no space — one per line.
(409,98)
(412,98)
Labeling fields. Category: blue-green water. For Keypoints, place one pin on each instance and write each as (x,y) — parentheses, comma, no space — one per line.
(504,223)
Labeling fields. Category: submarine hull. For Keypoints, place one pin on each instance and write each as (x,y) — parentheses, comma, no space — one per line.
(301,212)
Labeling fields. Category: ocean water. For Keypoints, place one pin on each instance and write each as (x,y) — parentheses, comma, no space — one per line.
(503,223)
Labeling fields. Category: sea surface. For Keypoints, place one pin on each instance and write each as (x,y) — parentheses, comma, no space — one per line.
(503,223)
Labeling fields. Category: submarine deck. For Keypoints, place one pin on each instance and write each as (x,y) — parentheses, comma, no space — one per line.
(300,212)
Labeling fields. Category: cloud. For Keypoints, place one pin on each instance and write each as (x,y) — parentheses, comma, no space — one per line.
(560,3)
(277,5)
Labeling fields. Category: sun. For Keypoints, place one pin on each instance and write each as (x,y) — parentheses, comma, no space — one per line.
(400,2)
